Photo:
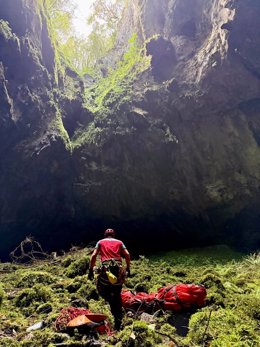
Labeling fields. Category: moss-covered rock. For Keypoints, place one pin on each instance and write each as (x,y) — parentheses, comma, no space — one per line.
(44,308)
(29,279)
(77,267)
(30,296)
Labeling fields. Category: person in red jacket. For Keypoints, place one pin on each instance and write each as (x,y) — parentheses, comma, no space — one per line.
(111,273)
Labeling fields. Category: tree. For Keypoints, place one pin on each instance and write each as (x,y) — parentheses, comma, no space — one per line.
(83,55)
(106,13)
(104,19)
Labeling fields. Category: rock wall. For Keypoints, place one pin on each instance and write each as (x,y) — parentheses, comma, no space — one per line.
(181,160)
(184,157)
(32,151)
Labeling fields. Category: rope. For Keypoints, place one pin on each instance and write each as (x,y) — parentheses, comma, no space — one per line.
(206,328)
(66,315)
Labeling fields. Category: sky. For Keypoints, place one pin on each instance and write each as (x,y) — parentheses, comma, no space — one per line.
(80,20)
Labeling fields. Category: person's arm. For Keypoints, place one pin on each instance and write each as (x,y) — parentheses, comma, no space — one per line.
(126,255)
(92,263)
(93,259)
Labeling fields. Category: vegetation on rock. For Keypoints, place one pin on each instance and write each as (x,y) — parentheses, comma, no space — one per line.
(105,97)
(37,292)
(6,31)
(115,88)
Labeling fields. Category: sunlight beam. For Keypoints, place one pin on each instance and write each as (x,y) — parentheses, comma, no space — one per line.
(81,14)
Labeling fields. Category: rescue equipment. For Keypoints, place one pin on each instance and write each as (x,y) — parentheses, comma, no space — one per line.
(73,317)
(171,297)
(111,277)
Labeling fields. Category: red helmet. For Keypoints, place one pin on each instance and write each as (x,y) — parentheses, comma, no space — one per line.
(109,232)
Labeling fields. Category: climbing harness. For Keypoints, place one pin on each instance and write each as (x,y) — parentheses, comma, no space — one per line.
(111,272)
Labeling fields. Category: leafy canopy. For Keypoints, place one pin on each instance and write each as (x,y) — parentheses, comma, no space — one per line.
(83,54)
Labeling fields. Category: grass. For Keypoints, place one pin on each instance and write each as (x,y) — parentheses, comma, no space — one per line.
(37,292)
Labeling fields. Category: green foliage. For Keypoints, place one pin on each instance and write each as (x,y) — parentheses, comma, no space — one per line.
(5,30)
(29,279)
(231,319)
(73,286)
(104,19)
(36,294)
(7,33)
(44,308)
(208,256)
(115,89)
(57,126)
(110,92)
(236,329)
(46,338)
(8,342)
(138,334)
(92,135)
(144,336)
(81,54)
(57,15)
(107,13)
(2,294)
(77,267)
(67,261)
(88,290)
(167,329)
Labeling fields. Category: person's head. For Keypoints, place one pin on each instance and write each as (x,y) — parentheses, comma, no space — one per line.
(109,233)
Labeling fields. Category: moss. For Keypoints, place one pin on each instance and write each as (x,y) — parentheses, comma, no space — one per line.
(46,337)
(226,328)
(144,335)
(77,268)
(43,8)
(91,135)
(108,93)
(2,295)
(167,329)
(216,299)
(29,279)
(9,342)
(6,31)
(30,296)
(67,261)
(57,126)
(139,334)
(44,308)
(249,304)
(233,322)
(197,327)
(211,280)
(88,291)
(73,286)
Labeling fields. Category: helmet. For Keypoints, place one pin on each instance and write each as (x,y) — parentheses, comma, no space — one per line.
(109,232)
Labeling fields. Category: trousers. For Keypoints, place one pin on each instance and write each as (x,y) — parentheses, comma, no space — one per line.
(112,294)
